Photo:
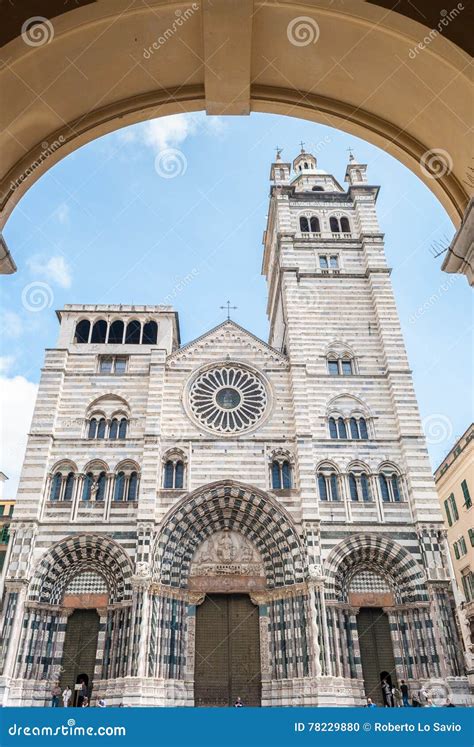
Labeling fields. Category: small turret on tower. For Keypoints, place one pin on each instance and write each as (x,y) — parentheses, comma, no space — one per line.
(304,162)
(280,172)
(356,173)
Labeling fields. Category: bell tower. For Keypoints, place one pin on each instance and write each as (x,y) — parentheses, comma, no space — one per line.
(332,312)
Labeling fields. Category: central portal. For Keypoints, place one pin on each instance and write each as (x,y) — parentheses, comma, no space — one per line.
(227,664)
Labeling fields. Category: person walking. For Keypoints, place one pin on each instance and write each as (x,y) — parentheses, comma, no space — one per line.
(67,693)
(405,694)
(101,703)
(82,694)
(370,703)
(55,695)
(423,696)
(397,697)
(238,703)
(387,694)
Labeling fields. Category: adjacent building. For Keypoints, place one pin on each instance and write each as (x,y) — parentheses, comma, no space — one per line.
(6,512)
(455,483)
(233,517)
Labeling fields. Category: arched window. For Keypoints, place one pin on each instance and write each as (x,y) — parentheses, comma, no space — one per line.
(304,225)
(328,486)
(114,427)
(341,428)
(119,487)
(323,493)
(69,487)
(99,331)
(87,487)
(92,432)
(334,487)
(83,329)
(132,335)
(390,487)
(101,484)
(286,475)
(174,474)
(354,428)
(101,428)
(150,333)
(359,487)
(365,485)
(353,487)
(333,366)
(169,475)
(132,487)
(179,475)
(334,225)
(346,367)
(363,429)
(55,491)
(345,227)
(281,475)
(276,476)
(116,332)
(395,487)
(314,224)
(332,428)
(384,488)
(122,432)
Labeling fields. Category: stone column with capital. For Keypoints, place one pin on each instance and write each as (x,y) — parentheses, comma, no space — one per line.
(141,583)
(14,608)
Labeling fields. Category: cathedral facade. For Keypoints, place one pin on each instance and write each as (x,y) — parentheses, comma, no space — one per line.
(233,518)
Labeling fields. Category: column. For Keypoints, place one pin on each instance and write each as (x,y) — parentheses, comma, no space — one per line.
(14,640)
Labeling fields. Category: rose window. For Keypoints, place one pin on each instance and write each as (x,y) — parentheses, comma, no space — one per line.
(228,399)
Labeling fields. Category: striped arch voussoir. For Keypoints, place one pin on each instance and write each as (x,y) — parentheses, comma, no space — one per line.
(236,507)
(76,554)
(385,557)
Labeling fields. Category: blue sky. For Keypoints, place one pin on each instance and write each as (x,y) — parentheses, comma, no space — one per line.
(110,224)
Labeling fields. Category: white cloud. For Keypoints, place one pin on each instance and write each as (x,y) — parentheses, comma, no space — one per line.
(17,400)
(55,269)
(11,324)
(168,132)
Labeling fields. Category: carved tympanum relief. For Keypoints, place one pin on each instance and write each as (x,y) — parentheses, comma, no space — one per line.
(226,552)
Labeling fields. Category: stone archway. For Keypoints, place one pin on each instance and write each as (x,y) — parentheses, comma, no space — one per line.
(229,505)
(75,555)
(356,66)
(373,552)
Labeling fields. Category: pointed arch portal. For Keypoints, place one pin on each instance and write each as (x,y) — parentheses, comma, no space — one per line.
(282,58)
(229,506)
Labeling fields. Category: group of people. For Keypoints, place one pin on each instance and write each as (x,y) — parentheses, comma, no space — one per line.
(66,695)
(399,697)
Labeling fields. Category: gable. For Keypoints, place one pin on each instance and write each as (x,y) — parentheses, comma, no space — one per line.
(228,341)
